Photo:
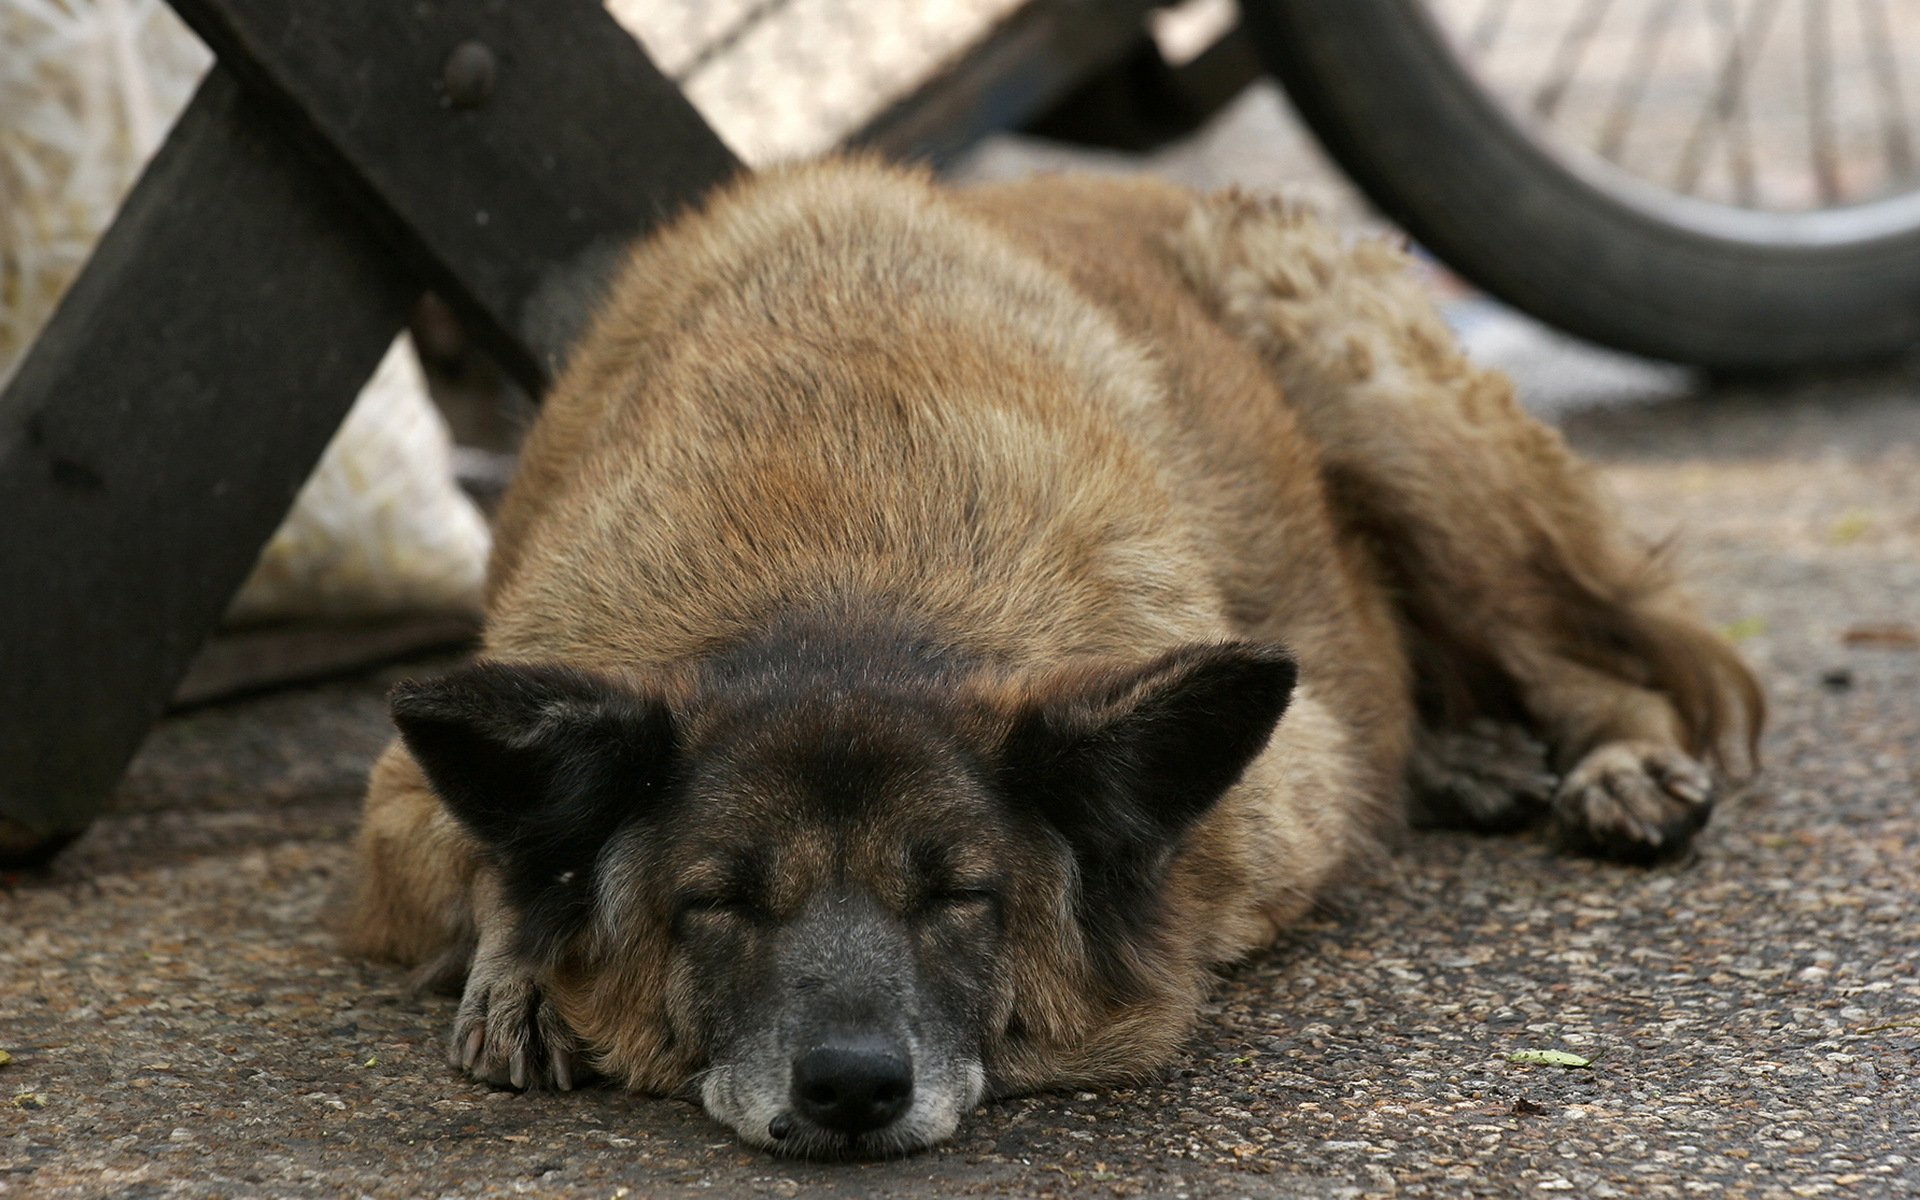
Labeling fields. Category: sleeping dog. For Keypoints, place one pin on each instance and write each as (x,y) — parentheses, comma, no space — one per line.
(930,630)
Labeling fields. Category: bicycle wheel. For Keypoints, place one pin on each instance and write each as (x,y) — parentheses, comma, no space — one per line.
(1735,258)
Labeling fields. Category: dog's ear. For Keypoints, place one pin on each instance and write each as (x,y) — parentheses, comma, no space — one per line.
(1123,760)
(542,764)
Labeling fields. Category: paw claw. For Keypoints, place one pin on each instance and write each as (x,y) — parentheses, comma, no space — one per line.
(1633,801)
(1538,786)
(1688,791)
(507,1033)
(1689,783)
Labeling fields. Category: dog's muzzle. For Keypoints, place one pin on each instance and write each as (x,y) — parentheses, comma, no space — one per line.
(849,1085)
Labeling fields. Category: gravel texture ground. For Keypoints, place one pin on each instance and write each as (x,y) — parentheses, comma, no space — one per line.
(180,1022)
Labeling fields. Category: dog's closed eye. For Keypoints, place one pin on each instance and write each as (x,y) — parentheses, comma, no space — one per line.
(716,908)
(958,907)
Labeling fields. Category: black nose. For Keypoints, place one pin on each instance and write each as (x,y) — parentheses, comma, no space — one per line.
(853,1086)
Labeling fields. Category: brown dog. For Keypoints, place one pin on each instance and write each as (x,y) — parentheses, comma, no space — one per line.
(930,630)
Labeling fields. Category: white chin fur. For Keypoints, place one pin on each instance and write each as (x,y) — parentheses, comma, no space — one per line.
(935,1114)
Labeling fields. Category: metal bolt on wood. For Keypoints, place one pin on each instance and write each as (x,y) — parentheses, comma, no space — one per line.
(469,75)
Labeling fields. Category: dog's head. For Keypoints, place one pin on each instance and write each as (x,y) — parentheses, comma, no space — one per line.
(834,898)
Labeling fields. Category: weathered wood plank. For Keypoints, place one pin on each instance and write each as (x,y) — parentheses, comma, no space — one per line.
(157,431)
(1033,58)
(508,150)
(241,661)
(500,152)
(1142,102)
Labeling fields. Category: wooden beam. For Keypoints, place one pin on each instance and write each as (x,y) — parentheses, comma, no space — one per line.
(508,150)
(156,433)
(240,662)
(1030,60)
(340,158)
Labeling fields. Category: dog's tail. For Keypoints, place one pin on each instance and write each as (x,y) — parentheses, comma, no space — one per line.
(1507,563)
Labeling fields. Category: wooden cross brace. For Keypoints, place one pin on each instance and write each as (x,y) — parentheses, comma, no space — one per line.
(340,159)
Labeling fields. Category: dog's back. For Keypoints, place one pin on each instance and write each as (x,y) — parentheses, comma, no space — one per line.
(856,389)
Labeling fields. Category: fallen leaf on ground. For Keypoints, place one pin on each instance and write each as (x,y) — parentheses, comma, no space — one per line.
(1885,637)
(5,1058)
(1850,528)
(1549,1058)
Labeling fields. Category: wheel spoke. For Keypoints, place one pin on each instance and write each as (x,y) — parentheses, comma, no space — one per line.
(1633,81)
(1723,117)
(1566,59)
(1817,41)
(1727,111)
(1885,68)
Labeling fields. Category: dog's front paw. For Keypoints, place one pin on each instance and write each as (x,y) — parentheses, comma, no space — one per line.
(508,1034)
(1633,801)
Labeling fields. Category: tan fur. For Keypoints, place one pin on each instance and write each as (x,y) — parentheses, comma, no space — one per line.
(1061,421)
(416,868)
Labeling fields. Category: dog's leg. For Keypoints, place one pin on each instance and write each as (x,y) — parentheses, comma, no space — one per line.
(1637,786)
(1489,776)
(507,1031)
(1522,597)
(424,899)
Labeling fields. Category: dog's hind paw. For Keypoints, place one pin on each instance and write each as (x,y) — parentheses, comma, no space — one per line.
(1633,801)
(508,1034)
(1488,777)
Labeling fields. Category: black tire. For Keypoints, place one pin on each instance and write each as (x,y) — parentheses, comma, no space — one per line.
(1654,274)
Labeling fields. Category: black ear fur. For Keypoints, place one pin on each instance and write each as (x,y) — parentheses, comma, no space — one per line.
(543,764)
(1123,761)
